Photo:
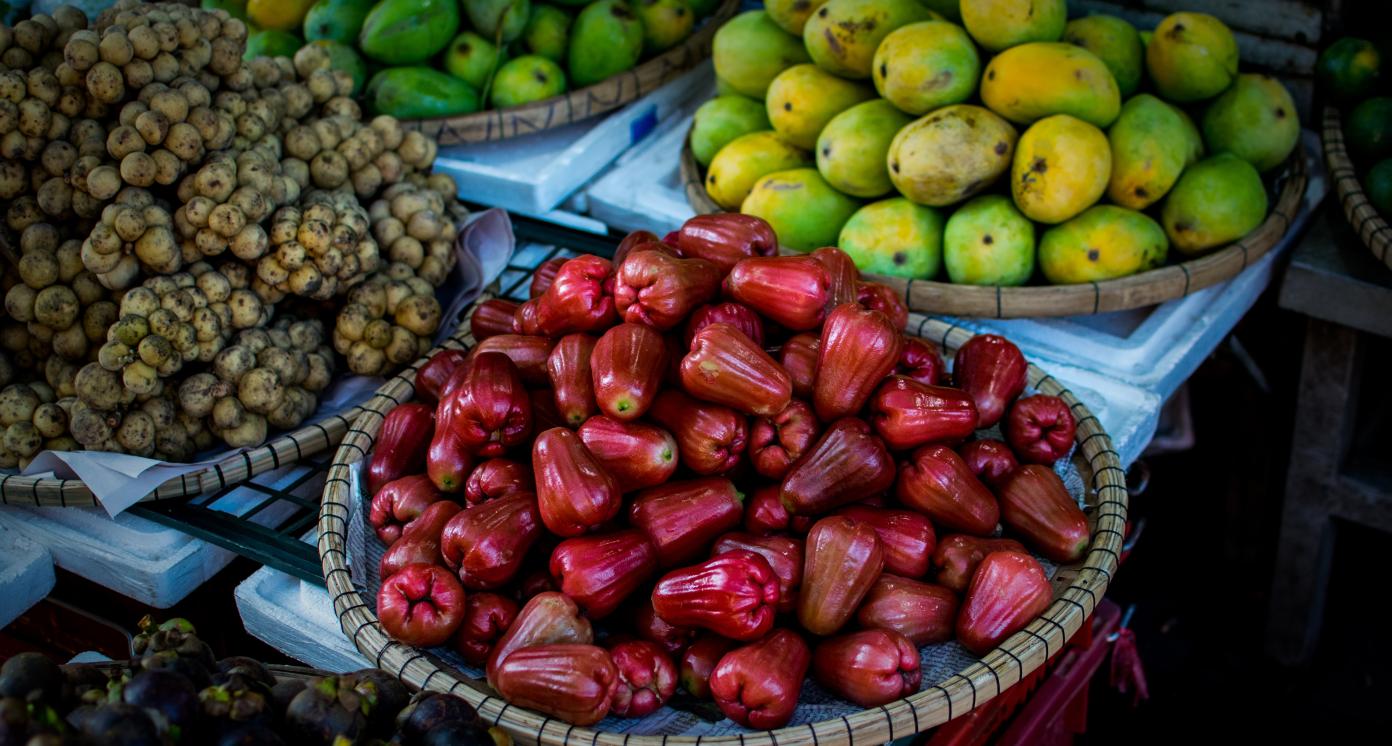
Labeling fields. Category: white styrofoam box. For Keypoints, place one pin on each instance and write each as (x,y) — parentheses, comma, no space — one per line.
(535,173)
(134,556)
(297,618)
(26,572)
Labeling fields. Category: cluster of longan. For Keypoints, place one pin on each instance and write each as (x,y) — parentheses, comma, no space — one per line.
(415,224)
(64,310)
(389,321)
(320,248)
(32,419)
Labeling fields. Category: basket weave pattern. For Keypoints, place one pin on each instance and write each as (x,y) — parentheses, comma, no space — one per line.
(1371,227)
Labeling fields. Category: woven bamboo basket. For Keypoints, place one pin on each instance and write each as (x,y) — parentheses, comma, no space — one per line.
(1143,289)
(583,103)
(1367,222)
(1077,591)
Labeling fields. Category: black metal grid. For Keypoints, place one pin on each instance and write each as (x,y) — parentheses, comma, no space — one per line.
(265,519)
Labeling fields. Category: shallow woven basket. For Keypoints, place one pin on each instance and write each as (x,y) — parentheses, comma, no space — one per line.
(1078,589)
(1142,289)
(1367,222)
(582,103)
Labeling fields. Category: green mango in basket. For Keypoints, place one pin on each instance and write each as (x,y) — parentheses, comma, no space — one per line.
(607,39)
(339,20)
(1000,24)
(750,50)
(792,15)
(1102,243)
(803,98)
(1369,129)
(988,241)
(499,19)
(895,237)
(1115,42)
(271,43)
(547,32)
(924,66)
(1216,201)
(853,148)
(804,210)
(842,36)
(1152,143)
(526,79)
(473,59)
(1255,120)
(666,23)
(1192,57)
(1379,187)
(721,120)
(420,93)
(402,32)
(346,58)
(1349,69)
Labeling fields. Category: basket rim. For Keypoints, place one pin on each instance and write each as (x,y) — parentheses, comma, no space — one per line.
(495,125)
(1024,652)
(1148,288)
(1367,222)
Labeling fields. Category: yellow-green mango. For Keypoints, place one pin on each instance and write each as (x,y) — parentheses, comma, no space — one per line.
(606,39)
(1152,142)
(894,237)
(950,154)
(336,20)
(473,59)
(922,66)
(989,242)
(547,32)
(499,18)
(271,43)
(1192,56)
(805,212)
(792,15)
(1116,43)
(1217,200)
(1103,243)
(803,98)
(522,80)
(852,149)
(721,120)
(404,32)
(665,23)
(1000,24)
(745,159)
(1027,83)
(419,93)
(1254,120)
(1061,168)
(842,35)
(750,50)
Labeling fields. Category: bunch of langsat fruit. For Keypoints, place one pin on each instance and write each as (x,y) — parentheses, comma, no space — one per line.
(173,691)
(177,220)
(743,451)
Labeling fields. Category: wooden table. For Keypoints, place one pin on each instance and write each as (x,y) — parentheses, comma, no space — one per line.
(1346,296)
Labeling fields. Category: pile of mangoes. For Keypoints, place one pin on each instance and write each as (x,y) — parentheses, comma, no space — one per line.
(995,141)
(1349,74)
(415,59)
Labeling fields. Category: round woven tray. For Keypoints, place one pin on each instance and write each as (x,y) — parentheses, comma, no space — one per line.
(582,103)
(1078,589)
(1366,220)
(1142,289)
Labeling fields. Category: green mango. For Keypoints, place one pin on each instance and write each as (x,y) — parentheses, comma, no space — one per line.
(792,15)
(526,79)
(806,212)
(547,32)
(1255,120)
(853,148)
(1192,57)
(402,32)
(666,23)
(420,93)
(1152,143)
(338,20)
(1102,243)
(894,237)
(493,17)
(473,59)
(750,50)
(1116,43)
(1369,129)
(234,8)
(346,58)
(1216,201)
(988,241)
(842,36)
(721,120)
(1349,69)
(271,43)
(1379,187)
(607,39)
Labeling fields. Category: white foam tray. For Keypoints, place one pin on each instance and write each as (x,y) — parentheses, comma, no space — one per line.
(26,572)
(534,174)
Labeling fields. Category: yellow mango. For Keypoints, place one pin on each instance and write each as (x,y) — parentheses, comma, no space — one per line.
(1152,143)
(998,24)
(1102,243)
(950,154)
(803,98)
(1061,168)
(744,160)
(1032,81)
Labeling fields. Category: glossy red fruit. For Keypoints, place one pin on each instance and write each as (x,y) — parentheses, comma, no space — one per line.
(498,477)
(843,559)
(599,572)
(544,413)
(432,377)
(547,618)
(847,464)
(936,482)
(398,503)
(843,274)
(923,612)
(493,317)
(710,438)
(568,369)
(406,433)
(992,369)
(724,238)
(765,513)
(798,356)
(534,582)
(448,459)
(758,685)
(1007,592)
(627,366)
(725,367)
(660,290)
(635,454)
(486,617)
(529,354)
(908,414)
(486,544)
(544,275)
(574,683)
(421,605)
(989,459)
(790,290)
(776,442)
(858,349)
(420,540)
(580,299)
(921,361)
(1035,504)
(653,628)
(734,594)
(906,536)
(639,241)
(882,298)
(1040,428)
(957,556)
(494,412)
(740,316)
(575,494)
(647,678)
(783,553)
(683,518)
(870,668)
(699,660)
